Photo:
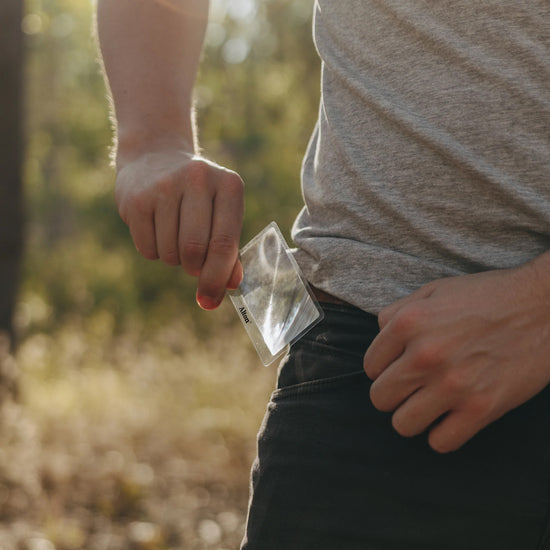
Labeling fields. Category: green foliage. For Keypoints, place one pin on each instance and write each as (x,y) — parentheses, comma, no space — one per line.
(255,116)
(135,428)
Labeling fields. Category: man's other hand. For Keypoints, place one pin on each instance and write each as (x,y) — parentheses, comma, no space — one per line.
(460,352)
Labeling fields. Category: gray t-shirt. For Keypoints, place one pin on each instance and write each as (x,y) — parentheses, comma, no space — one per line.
(431,155)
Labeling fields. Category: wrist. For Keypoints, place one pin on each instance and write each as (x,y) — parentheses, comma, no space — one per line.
(161,127)
(131,145)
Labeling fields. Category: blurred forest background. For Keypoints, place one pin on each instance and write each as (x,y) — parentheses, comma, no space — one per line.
(128,415)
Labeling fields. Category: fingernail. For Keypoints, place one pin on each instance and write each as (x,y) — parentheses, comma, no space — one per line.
(208,303)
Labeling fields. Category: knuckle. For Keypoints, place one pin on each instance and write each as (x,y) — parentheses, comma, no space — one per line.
(198,185)
(407,320)
(440,445)
(197,171)
(148,253)
(141,203)
(481,406)
(222,245)
(427,354)
(403,426)
(374,397)
(377,398)
(400,426)
(166,186)
(455,382)
(234,185)
(193,252)
(170,257)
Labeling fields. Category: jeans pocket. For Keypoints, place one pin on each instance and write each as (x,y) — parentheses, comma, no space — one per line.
(311,366)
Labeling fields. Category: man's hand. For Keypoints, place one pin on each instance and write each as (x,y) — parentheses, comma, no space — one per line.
(185,210)
(179,207)
(459,353)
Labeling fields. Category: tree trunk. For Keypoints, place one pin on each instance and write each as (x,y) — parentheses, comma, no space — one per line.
(11,157)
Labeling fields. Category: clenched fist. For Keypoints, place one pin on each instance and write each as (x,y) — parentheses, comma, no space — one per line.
(186,211)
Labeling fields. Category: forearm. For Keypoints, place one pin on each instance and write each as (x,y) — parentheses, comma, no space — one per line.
(151,51)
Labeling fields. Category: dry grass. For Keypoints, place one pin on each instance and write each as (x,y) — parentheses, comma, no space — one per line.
(137,441)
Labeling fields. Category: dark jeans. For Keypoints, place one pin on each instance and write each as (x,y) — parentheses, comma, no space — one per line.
(332,474)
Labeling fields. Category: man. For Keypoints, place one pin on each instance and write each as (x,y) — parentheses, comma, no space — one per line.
(426,233)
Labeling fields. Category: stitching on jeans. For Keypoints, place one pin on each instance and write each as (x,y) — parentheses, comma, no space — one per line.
(315,385)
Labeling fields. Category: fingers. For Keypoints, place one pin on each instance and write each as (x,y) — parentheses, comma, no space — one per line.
(400,324)
(186,210)
(456,429)
(427,394)
(419,411)
(223,246)
(195,225)
(394,386)
(166,230)
(450,427)
(389,312)
(142,229)
(432,405)
(209,231)
(383,351)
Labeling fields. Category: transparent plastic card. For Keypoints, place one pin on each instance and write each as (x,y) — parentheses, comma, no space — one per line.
(274,300)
